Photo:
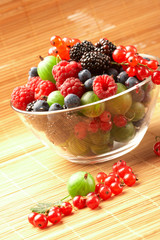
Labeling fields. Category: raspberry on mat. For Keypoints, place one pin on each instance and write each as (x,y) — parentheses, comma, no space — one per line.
(64,70)
(104,86)
(21,96)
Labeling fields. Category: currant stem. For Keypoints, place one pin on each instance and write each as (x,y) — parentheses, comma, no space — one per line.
(157,137)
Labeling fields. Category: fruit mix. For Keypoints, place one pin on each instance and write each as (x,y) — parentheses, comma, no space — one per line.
(78,73)
(84,192)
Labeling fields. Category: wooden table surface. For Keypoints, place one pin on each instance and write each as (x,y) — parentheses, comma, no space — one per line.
(30,172)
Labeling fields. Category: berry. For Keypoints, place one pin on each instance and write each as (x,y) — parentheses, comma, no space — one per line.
(104,86)
(72,85)
(106,126)
(56,41)
(105,116)
(131,48)
(44,88)
(122,77)
(53,51)
(132,60)
(156,77)
(105,46)
(64,70)
(97,187)
(119,55)
(66,208)
(123,170)
(88,84)
(120,120)
(80,130)
(129,179)
(156,148)
(114,167)
(21,96)
(84,75)
(79,49)
(105,192)
(131,71)
(95,62)
(33,72)
(40,221)
(131,81)
(72,100)
(101,177)
(153,64)
(54,216)
(55,106)
(92,202)
(33,82)
(112,72)
(116,188)
(55,208)
(37,106)
(142,73)
(93,126)
(110,179)
(120,164)
(31,217)
(79,202)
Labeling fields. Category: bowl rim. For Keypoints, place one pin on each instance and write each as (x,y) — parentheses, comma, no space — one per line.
(90,104)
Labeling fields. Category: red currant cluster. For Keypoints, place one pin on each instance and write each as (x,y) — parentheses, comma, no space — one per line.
(107,185)
(136,65)
(61,46)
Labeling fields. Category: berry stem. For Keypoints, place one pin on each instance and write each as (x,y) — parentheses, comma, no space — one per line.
(127,64)
(156,138)
(41,58)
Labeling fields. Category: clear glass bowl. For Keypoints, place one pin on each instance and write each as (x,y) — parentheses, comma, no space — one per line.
(58,129)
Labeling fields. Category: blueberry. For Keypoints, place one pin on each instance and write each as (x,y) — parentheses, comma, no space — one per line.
(84,75)
(40,106)
(33,72)
(72,100)
(55,106)
(122,77)
(112,71)
(131,81)
(89,84)
(148,59)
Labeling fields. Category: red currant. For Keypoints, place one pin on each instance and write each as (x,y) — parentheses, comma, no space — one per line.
(75,40)
(66,208)
(67,41)
(128,55)
(121,163)
(131,71)
(105,116)
(31,217)
(40,221)
(116,188)
(79,202)
(92,202)
(121,47)
(91,194)
(131,48)
(109,180)
(143,61)
(53,51)
(54,216)
(114,174)
(142,72)
(129,179)
(156,77)
(156,148)
(97,187)
(101,177)
(56,41)
(120,120)
(133,61)
(123,170)
(119,55)
(105,192)
(106,126)
(114,167)
(55,208)
(153,64)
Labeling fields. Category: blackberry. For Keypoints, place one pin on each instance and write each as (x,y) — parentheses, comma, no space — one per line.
(79,49)
(105,46)
(37,106)
(95,62)
(29,107)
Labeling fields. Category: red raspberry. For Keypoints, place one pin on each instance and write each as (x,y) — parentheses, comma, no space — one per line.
(104,86)
(33,82)
(94,126)
(21,96)
(44,88)
(106,126)
(72,85)
(80,130)
(64,70)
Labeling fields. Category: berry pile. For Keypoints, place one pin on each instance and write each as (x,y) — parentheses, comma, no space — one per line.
(79,73)
(107,186)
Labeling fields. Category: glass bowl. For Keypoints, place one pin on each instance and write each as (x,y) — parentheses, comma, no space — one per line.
(74,135)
